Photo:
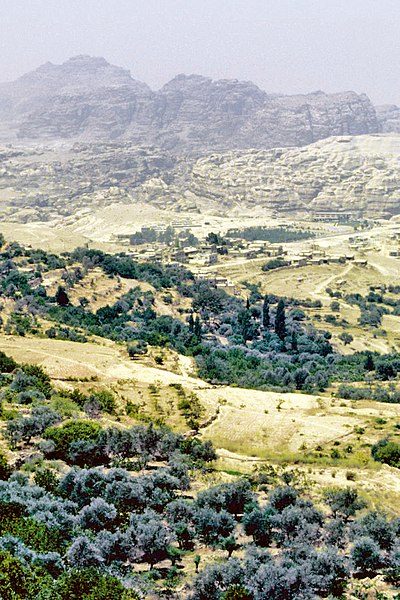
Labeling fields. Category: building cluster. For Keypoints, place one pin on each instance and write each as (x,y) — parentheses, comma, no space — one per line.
(217,281)
(361,243)
(314,255)
(394,244)
(332,216)
(204,254)
(210,254)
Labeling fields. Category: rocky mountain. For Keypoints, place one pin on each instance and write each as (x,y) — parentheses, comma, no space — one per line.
(86,98)
(83,96)
(85,134)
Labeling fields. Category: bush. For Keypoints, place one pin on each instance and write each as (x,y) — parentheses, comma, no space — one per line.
(97,515)
(231,496)
(46,479)
(274,263)
(137,348)
(91,584)
(386,452)
(366,556)
(105,399)
(376,526)
(237,592)
(344,502)
(212,526)
(259,523)
(7,364)
(5,469)
(14,582)
(282,497)
(346,338)
(70,432)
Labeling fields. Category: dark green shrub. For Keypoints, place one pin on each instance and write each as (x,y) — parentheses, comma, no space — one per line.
(73,431)
(386,452)
(5,469)
(7,364)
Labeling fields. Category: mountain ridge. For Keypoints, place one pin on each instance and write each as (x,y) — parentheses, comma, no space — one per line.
(87,98)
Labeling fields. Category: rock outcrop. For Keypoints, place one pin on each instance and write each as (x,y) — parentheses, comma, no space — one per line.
(88,99)
(389,118)
(46,183)
(357,174)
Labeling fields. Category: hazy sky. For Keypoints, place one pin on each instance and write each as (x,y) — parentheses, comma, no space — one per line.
(282,45)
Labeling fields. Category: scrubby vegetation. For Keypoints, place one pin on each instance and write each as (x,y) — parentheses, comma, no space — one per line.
(93,508)
(121,519)
(274,263)
(263,343)
(117,516)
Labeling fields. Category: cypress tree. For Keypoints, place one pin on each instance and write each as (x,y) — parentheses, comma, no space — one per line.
(244,320)
(294,341)
(197,327)
(61,296)
(265,312)
(280,321)
(191,323)
(369,364)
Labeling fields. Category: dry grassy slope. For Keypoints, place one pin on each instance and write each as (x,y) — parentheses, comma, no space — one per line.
(103,364)
(104,360)
(247,427)
(96,287)
(274,425)
(43,235)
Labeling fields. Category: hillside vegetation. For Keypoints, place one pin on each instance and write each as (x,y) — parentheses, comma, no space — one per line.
(163,438)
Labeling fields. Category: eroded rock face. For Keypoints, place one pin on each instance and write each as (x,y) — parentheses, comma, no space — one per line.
(358,174)
(44,184)
(389,118)
(84,96)
(87,98)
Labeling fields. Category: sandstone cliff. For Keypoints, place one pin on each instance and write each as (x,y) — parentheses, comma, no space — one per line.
(389,118)
(360,174)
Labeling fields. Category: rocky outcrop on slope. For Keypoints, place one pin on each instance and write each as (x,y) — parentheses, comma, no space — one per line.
(44,184)
(87,98)
(389,118)
(360,174)
(357,174)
